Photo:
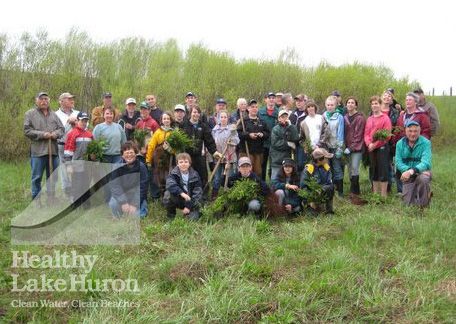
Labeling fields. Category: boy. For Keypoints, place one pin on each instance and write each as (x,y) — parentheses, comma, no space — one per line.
(245,172)
(319,170)
(184,189)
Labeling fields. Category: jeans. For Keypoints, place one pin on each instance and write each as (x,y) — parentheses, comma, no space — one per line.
(337,166)
(301,158)
(38,165)
(116,208)
(66,183)
(354,161)
(275,171)
(219,176)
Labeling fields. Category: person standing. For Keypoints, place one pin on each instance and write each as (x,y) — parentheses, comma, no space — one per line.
(129,118)
(268,114)
(312,125)
(155,111)
(296,119)
(43,127)
(68,116)
(430,109)
(241,105)
(98,112)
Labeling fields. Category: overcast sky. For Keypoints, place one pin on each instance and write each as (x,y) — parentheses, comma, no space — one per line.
(413,38)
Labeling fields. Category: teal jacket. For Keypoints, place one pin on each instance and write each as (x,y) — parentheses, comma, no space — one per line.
(418,158)
(271,121)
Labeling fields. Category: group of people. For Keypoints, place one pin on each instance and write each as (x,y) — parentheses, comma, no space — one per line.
(285,142)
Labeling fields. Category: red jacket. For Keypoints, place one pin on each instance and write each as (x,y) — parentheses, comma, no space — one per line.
(76,143)
(148,123)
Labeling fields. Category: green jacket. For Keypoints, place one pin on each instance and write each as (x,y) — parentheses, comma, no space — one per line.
(280,150)
(271,121)
(418,158)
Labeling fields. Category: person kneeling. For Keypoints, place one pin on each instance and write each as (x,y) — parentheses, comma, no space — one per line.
(286,186)
(320,171)
(413,161)
(183,189)
(245,172)
(129,190)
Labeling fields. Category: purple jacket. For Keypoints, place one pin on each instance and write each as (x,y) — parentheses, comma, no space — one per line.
(354,131)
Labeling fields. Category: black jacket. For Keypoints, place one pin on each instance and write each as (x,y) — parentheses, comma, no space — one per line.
(175,186)
(253,126)
(199,133)
(127,180)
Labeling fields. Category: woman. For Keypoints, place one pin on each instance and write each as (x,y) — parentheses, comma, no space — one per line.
(333,139)
(378,148)
(354,146)
(156,156)
(312,125)
(226,139)
(286,186)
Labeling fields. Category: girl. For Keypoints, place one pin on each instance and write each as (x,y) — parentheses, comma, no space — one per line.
(286,186)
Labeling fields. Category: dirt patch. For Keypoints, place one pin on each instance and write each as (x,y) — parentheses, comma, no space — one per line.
(447,288)
(387,266)
(195,271)
(257,311)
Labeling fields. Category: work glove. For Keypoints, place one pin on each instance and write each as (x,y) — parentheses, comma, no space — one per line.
(292,145)
(347,151)
(217,155)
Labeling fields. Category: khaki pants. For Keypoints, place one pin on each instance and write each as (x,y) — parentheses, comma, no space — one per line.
(417,192)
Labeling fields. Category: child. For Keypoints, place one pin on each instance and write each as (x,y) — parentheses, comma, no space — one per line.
(286,185)
(184,189)
(319,170)
(75,147)
(245,172)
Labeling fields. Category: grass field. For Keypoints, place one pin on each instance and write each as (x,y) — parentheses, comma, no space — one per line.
(378,263)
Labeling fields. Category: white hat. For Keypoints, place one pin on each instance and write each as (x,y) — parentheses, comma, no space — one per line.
(179,107)
(283,111)
(130,100)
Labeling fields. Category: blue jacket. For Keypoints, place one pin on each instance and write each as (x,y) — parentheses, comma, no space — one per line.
(418,158)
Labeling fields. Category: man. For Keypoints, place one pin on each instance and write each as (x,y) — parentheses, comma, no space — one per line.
(97,112)
(190,102)
(413,161)
(268,114)
(430,109)
(252,136)
(220,105)
(129,185)
(68,116)
(129,118)
(296,118)
(179,115)
(278,99)
(43,127)
(155,111)
(339,105)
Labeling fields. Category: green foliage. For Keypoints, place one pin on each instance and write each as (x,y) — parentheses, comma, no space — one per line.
(313,192)
(179,141)
(381,135)
(139,136)
(95,147)
(233,200)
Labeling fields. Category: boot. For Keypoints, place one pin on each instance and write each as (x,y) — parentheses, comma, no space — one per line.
(214,195)
(355,192)
(339,187)
(329,207)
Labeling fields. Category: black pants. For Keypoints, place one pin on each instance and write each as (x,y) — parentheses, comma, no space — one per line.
(179,202)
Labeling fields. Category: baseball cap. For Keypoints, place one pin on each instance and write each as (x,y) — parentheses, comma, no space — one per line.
(321,152)
(221,101)
(39,94)
(418,91)
(83,115)
(282,112)
(335,93)
(252,101)
(107,94)
(189,94)
(179,107)
(270,94)
(66,95)
(244,160)
(411,123)
(300,97)
(130,100)
(289,162)
(144,104)
(279,94)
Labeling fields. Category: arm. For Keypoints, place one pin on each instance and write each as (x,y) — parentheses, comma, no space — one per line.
(277,184)
(400,155)
(144,182)
(29,129)
(435,120)
(426,158)
(70,146)
(151,148)
(340,131)
(197,195)
(172,185)
(358,132)
(208,139)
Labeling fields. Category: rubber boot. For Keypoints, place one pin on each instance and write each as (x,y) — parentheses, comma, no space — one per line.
(329,207)
(339,187)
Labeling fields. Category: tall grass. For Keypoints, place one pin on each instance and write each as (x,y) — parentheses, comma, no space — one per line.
(136,67)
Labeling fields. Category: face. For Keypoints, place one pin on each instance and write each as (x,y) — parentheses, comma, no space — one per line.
(42,102)
(375,106)
(300,104)
(339,99)
(283,119)
(179,115)
(129,156)
(219,107)
(107,101)
(412,133)
(131,107)
(253,110)
(278,100)
(83,123)
(271,101)
(223,119)
(151,100)
(195,115)
(410,102)
(321,161)
(190,100)
(288,169)
(67,103)
(183,165)
(145,113)
(166,120)
(351,105)
(387,98)
(330,105)
(108,116)
(245,170)
(422,98)
(311,111)
(242,106)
